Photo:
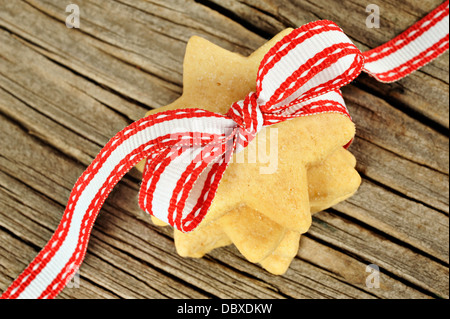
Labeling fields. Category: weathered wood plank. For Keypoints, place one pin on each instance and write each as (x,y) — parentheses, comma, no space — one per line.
(414,181)
(11,266)
(379,250)
(66,92)
(408,221)
(353,271)
(407,137)
(63,44)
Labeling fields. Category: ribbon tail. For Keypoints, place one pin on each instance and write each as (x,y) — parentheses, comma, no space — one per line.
(61,257)
(412,49)
(58,261)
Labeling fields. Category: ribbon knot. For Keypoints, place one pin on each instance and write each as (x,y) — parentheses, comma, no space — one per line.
(249,118)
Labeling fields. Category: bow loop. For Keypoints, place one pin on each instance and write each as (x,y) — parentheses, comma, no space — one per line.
(312,60)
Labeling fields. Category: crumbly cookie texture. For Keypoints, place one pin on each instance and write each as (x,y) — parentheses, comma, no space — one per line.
(263,215)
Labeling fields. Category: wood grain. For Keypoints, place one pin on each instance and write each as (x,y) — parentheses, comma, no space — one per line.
(65,92)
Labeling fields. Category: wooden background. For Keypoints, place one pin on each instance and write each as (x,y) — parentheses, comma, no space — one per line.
(65,92)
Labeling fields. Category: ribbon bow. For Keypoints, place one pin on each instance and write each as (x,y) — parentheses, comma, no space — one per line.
(300,75)
(188,150)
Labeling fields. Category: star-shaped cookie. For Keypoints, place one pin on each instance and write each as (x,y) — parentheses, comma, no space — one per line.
(273,247)
(263,211)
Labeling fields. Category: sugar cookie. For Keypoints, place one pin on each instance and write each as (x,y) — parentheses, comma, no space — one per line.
(263,215)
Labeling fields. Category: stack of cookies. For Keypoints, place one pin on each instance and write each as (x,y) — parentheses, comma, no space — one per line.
(263,203)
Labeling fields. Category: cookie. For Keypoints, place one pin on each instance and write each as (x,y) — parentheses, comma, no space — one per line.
(243,226)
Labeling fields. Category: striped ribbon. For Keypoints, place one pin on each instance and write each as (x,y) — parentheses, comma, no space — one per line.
(420,44)
(188,150)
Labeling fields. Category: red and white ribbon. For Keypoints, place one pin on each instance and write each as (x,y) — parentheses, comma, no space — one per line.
(420,44)
(188,150)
